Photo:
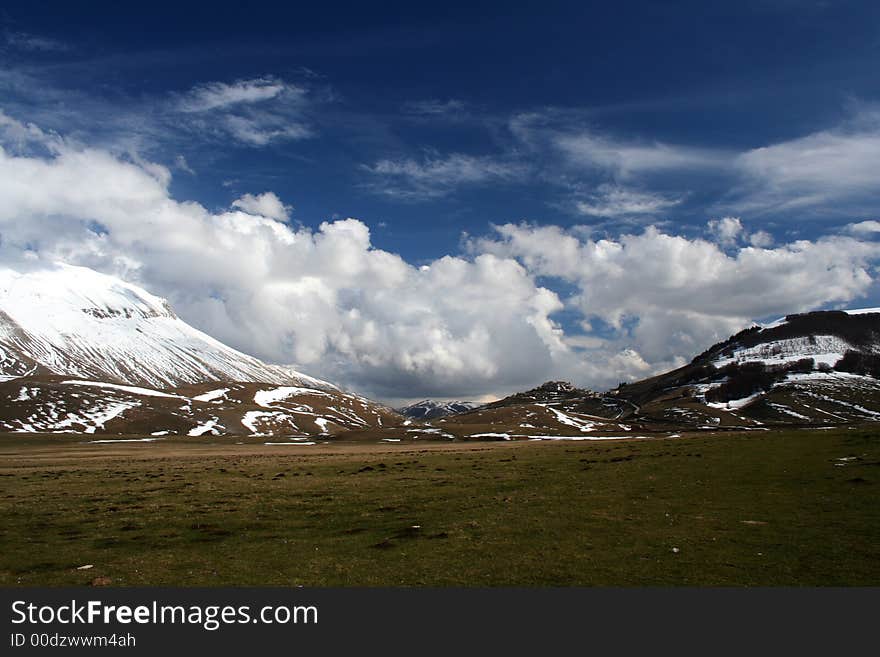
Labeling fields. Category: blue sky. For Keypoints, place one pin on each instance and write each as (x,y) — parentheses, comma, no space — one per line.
(750,126)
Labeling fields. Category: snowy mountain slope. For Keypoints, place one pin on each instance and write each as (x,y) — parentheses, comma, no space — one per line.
(821,348)
(812,369)
(809,369)
(429,409)
(555,409)
(77,322)
(54,404)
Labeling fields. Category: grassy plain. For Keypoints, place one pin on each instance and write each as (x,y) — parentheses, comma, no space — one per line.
(792,507)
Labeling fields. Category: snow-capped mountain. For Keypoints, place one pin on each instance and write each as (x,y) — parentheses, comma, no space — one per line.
(428,409)
(811,368)
(82,352)
(76,322)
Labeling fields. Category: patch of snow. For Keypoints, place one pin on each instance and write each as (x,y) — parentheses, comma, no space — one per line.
(266,398)
(91,419)
(862,311)
(206,427)
(26,394)
(212,395)
(585,437)
(135,390)
(787,411)
(125,440)
(251,418)
(302,442)
(582,425)
(856,407)
(734,403)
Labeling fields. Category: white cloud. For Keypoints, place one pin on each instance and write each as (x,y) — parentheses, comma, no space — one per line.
(727,230)
(761,239)
(323,299)
(615,201)
(818,169)
(623,159)
(668,297)
(868,227)
(266,204)
(626,159)
(436,176)
(20,137)
(181,163)
(215,95)
(832,170)
(254,112)
(330,302)
(263,129)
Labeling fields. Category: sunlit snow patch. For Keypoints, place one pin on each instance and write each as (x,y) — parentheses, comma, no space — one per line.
(212,395)
(266,398)
(207,427)
(147,392)
(305,442)
(126,440)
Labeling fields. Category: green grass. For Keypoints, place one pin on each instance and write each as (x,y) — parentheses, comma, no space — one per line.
(763,508)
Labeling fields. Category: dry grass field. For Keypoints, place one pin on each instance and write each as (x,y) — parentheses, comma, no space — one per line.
(792,507)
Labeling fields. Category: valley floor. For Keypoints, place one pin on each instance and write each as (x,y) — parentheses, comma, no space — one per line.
(788,507)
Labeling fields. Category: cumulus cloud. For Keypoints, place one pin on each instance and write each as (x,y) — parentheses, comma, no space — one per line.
(726,230)
(266,204)
(330,302)
(324,299)
(761,239)
(868,227)
(435,175)
(21,137)
(729,231)
(668,296)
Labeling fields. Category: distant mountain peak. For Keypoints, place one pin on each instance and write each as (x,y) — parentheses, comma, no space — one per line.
(429,409)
